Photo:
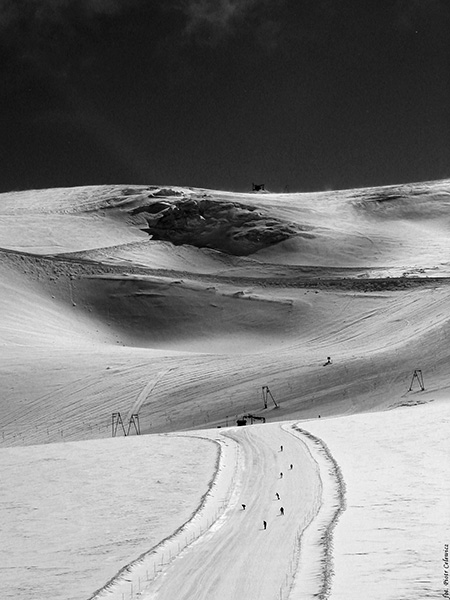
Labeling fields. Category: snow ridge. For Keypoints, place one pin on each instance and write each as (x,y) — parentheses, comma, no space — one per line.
(320,532)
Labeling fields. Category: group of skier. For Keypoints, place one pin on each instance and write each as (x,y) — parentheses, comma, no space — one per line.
(291,466)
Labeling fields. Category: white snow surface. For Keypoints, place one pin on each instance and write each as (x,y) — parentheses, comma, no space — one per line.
(95,317)
(73,515)
(389,541)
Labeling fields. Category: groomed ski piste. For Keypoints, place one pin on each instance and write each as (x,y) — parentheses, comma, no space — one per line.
(179,305)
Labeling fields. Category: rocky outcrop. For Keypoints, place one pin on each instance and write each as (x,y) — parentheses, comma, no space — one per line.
(230,227)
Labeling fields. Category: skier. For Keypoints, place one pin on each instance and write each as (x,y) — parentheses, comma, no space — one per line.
(291,467)
(282,511)
(328,361)
(281,475)
(265,524)
(281,448)
(243,507)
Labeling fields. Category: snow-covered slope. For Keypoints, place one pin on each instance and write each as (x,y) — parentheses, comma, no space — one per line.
(75,514)
(390,540)
(181,304)
(94,315)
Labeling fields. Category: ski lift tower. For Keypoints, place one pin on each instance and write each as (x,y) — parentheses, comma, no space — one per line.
(116,421)
(417,376)
(266,394)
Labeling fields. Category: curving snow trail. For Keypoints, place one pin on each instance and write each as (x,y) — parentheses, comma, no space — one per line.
(236,558)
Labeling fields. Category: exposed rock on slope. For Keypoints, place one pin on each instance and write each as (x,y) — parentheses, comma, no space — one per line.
(230,227)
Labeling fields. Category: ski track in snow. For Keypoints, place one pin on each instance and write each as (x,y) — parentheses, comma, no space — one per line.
(222,551)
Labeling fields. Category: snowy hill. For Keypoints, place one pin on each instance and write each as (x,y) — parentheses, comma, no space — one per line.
(180,304)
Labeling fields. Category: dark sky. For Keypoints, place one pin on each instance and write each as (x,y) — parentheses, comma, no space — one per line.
(309,94)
